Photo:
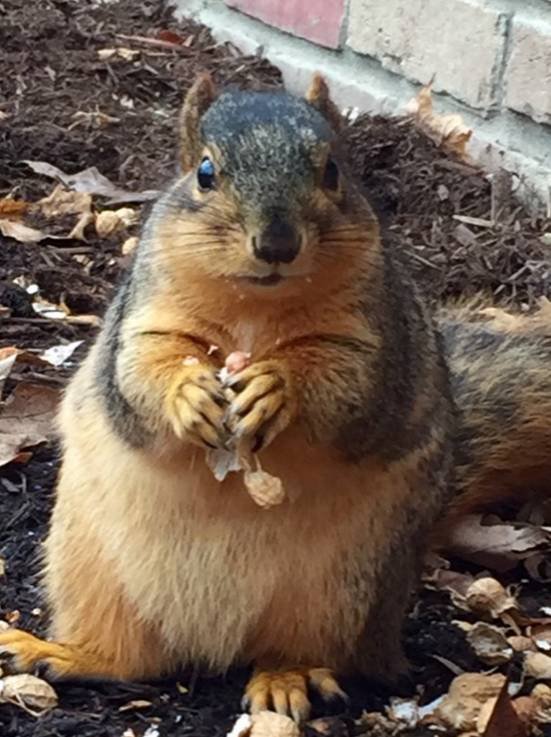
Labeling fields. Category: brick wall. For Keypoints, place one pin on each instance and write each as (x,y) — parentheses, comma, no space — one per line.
(488,59)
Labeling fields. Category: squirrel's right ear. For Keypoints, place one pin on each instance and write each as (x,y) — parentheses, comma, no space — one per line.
(318,96)
(199,98)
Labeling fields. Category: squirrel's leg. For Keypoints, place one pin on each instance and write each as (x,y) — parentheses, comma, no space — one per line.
(96,630)
(171,381)
(285,690)
(122,652)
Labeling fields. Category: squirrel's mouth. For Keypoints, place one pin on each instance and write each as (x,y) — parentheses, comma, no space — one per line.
(265,281)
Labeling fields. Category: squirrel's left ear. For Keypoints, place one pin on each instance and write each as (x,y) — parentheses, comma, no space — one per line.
(199,98)
(318,96)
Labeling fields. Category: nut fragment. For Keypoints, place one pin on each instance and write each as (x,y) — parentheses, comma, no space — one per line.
(129,245)
(266,490)
(237,361)
(110,221)
(29,692)
(486,596)
(107,222)
(489,643)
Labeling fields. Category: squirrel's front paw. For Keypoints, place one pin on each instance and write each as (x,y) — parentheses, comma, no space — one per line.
(196,405)
(264,404)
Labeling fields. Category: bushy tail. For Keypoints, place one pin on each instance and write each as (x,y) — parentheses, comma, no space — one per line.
(501,381)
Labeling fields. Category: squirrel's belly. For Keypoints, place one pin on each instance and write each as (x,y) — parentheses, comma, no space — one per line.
(227,580)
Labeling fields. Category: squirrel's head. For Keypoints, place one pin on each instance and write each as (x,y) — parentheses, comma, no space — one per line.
(262,200)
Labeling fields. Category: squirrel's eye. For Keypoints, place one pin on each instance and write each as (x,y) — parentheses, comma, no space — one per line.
(331,175)
(205,174)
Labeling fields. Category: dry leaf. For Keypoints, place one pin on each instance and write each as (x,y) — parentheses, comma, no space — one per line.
(7,361)
(501,720)
(405,711)
(12,356)
(27,418)
(222,462)
(20,232)
(537,665)
(489,644)
(62,201)
(447,131)
(91,181)
(32,694)
(520,643)
(242,726)
(445,580)
(58,354)
(461,706)
(498,546)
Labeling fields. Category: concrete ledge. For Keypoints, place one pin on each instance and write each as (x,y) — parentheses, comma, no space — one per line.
(504,140)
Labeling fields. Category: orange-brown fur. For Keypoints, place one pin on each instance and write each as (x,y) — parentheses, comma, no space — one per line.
(500,366)
(151,562)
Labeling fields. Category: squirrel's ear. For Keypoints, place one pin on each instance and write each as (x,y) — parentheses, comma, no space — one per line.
(199,98)
(318,96)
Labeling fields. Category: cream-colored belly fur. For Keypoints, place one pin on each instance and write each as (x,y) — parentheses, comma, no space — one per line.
(224,579)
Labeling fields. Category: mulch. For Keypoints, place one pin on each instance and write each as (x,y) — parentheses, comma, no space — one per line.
(61,103)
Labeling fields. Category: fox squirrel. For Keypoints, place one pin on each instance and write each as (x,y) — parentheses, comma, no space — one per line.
(265,244)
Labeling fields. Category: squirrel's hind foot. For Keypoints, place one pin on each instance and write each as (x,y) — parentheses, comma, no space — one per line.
(22,652)
(285,690)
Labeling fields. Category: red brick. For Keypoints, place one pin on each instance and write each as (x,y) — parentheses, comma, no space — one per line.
(316,20)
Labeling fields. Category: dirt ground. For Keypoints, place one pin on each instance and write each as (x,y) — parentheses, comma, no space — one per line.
(63,103)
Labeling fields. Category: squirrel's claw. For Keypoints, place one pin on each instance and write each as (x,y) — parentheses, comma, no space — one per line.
(286,690)
(196,407)
(263,405)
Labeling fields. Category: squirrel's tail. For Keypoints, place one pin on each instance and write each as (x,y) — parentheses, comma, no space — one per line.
(501,381)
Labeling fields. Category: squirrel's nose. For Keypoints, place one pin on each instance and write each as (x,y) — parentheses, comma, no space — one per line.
(279,242)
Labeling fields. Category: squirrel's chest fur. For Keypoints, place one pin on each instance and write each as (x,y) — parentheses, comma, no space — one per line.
(224,579)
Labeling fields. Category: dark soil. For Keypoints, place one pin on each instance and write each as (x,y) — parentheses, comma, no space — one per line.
(52,74)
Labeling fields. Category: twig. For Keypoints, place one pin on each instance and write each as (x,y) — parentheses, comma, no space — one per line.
(155,42)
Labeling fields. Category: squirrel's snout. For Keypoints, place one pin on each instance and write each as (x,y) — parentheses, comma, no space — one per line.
(279,242)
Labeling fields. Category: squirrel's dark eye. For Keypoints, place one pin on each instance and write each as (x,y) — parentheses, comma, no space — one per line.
(205,174)
(331,175)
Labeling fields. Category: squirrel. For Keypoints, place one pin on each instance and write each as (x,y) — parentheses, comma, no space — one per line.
(366,404)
